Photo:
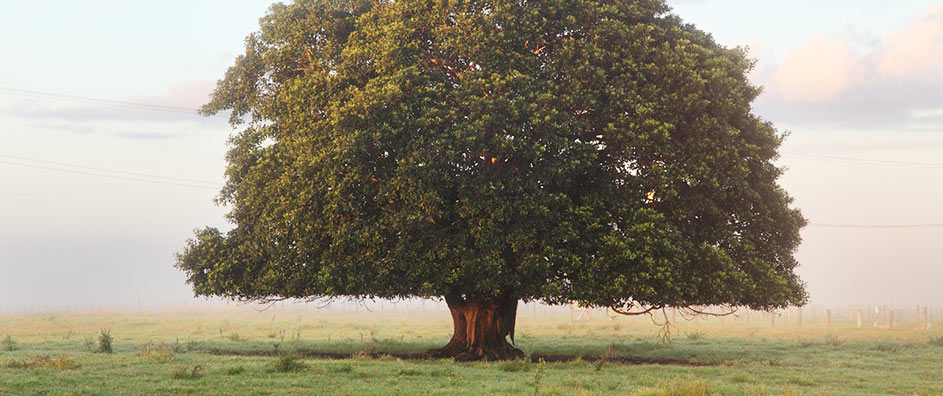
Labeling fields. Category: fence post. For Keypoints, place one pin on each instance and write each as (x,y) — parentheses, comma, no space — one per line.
(926,324)
(892,318)
(772,319)
(828,318)
(859,319)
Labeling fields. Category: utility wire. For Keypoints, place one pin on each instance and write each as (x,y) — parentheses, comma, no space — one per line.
(108,176)
(174,181)
(96,101)
(14,157)
(877,226)
(865,161)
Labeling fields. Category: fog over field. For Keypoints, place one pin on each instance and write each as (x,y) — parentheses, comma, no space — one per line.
(97,191)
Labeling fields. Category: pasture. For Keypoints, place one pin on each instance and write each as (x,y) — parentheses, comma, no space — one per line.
(294,351)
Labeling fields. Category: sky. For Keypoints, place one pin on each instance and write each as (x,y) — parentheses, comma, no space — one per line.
(858,84)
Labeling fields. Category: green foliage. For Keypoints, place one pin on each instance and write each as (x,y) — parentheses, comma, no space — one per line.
(887,346)
(8,344)
(679,387)
(538,375)
(104,341)
(235,337)
(288,362)
(594,151)
(343,368)
(236,370)
(512,366)
(64,362)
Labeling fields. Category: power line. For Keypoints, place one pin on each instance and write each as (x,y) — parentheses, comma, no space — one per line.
(96,101)
(214,186)
(878,226)
(108,176)
(107,170)
(865,161)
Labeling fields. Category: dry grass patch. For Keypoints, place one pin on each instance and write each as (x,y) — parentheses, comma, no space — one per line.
(64,362)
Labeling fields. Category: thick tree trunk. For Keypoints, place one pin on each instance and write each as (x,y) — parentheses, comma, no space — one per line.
(481,329)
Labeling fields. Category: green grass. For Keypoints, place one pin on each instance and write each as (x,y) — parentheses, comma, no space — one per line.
(273,354)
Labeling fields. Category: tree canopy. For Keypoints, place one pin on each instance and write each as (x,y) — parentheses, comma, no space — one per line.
(600,152)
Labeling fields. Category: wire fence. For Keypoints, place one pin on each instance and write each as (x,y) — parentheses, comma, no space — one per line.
(885,316)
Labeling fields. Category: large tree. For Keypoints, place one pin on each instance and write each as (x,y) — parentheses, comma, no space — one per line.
(487,152)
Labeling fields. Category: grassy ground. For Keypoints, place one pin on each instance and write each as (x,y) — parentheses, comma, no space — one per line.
(202,353)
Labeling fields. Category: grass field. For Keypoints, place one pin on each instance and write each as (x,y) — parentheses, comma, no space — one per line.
(283,353)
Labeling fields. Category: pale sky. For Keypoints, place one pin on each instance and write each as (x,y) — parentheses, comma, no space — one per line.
(858,79)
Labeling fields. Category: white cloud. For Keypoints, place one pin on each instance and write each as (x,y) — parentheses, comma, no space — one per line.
(827,81)
(122,118)
(818,71)
(917,52)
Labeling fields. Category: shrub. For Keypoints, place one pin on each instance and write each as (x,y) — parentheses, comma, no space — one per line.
(8,343)
(104,341)
(288,362)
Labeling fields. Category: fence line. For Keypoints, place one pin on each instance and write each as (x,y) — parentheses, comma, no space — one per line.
(852,315)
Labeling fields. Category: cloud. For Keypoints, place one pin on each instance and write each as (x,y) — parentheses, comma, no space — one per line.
(175,111)
(917,52)
(827,81)
(179,104)
(817,71)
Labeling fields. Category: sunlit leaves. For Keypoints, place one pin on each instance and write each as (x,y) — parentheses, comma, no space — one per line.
(596,151)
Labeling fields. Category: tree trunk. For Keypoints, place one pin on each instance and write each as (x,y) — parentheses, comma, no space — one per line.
(481,329)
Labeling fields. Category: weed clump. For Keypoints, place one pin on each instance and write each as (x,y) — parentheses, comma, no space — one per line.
(64,362)
(409,373)
(538,375)
(188,373)
(8,344)
(104,341)
(235,370)
(935,341)
(833,341)
(288,362)
(695,335)
(160,353)
(885,346)
(345,368)
(513,366)
(679,387)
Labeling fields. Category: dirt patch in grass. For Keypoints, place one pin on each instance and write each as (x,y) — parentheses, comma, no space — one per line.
(420,356)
